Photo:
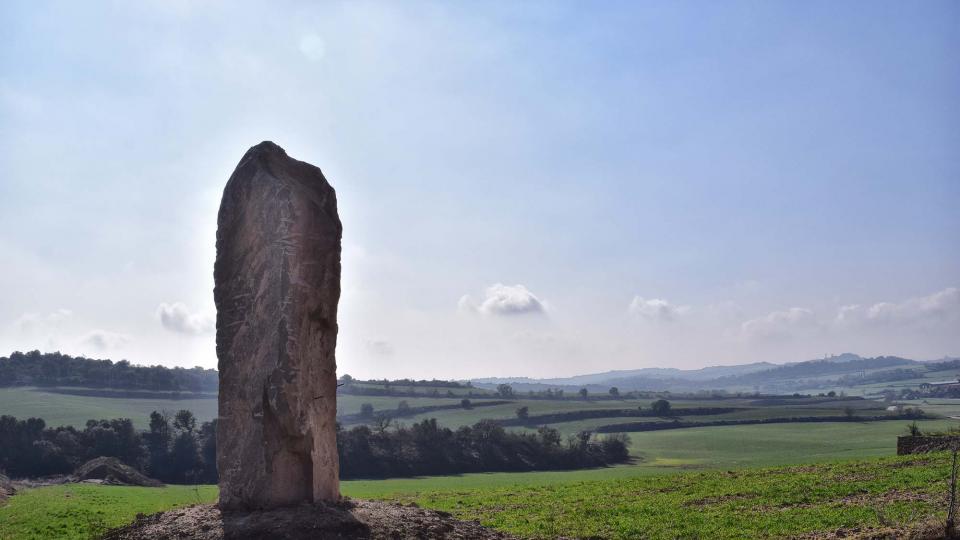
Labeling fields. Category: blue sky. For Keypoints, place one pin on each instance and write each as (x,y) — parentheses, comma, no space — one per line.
(535,188)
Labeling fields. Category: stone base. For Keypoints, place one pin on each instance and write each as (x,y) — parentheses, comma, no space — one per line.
(348,519)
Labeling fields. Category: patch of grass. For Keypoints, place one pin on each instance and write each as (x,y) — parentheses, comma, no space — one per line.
(748,503)
(661,453)
(87,510)
(758,503)
(67,410)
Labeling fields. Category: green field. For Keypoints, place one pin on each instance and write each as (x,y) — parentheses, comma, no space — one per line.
(63,409)
(88,510)
(659,453)
(678,484)
(68,410)
(760,503)
(751,503)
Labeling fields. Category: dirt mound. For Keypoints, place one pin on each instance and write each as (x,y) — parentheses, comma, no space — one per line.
(113,471)
(348,519)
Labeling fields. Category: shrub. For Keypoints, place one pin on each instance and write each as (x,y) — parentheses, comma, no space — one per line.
(660,407)
(523,412)
(366,410)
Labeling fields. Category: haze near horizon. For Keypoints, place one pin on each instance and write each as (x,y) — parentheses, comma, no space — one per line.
(556,189)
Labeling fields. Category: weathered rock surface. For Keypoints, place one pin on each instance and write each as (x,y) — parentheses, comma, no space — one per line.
(277,285)
(349,519)
(6,488)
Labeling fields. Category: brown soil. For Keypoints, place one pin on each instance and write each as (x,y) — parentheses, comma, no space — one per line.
(930,529)
(348,519)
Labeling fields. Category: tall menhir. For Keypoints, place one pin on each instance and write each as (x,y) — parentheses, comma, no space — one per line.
(277,278)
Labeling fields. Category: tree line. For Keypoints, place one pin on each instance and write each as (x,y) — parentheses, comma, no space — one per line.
(55,369)
(426,448)
(176,449)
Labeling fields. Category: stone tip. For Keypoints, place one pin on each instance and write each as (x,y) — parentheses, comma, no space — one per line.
(267,147)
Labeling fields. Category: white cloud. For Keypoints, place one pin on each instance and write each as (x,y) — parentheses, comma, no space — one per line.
(313,47)
(176,317)
(500,299)
(41,330)
(779,325)
(937,308)
(380,347)
(655,309)
(34,324)
(104,340)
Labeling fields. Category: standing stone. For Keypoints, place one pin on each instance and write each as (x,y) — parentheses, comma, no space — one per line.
(277,284)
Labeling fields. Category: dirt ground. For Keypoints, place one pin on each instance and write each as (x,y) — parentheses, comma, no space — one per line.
(348,519)
(929,529)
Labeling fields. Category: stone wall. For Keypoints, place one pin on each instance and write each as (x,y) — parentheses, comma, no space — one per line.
(910,444)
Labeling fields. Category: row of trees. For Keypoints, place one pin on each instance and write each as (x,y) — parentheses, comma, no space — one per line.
(177,450)
(347,380)
(507,391)
(55,369)
(428,448)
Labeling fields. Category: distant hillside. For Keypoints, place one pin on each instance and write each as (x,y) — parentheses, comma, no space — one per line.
(701,374)
(765,375)
(54,369)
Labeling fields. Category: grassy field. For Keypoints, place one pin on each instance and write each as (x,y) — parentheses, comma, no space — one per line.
(87,510)
(760,503)
(677,485)
(63,409)
(749,503)
(68,410)
(661,453)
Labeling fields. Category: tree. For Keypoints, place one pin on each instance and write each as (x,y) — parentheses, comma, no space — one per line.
(185,458)
(660,407)
(158,445)
(583,393)
(346,379)
(831,394)
(184,420)
(465,403)
(403,407)
(523,412)
(505,390)
(614,391)
(366,410)
(849,412)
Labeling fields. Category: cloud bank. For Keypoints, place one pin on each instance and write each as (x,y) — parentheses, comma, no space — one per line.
(779,325)
(655,309)
(103,340)
(176,317)
(941,307)
(504,300)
